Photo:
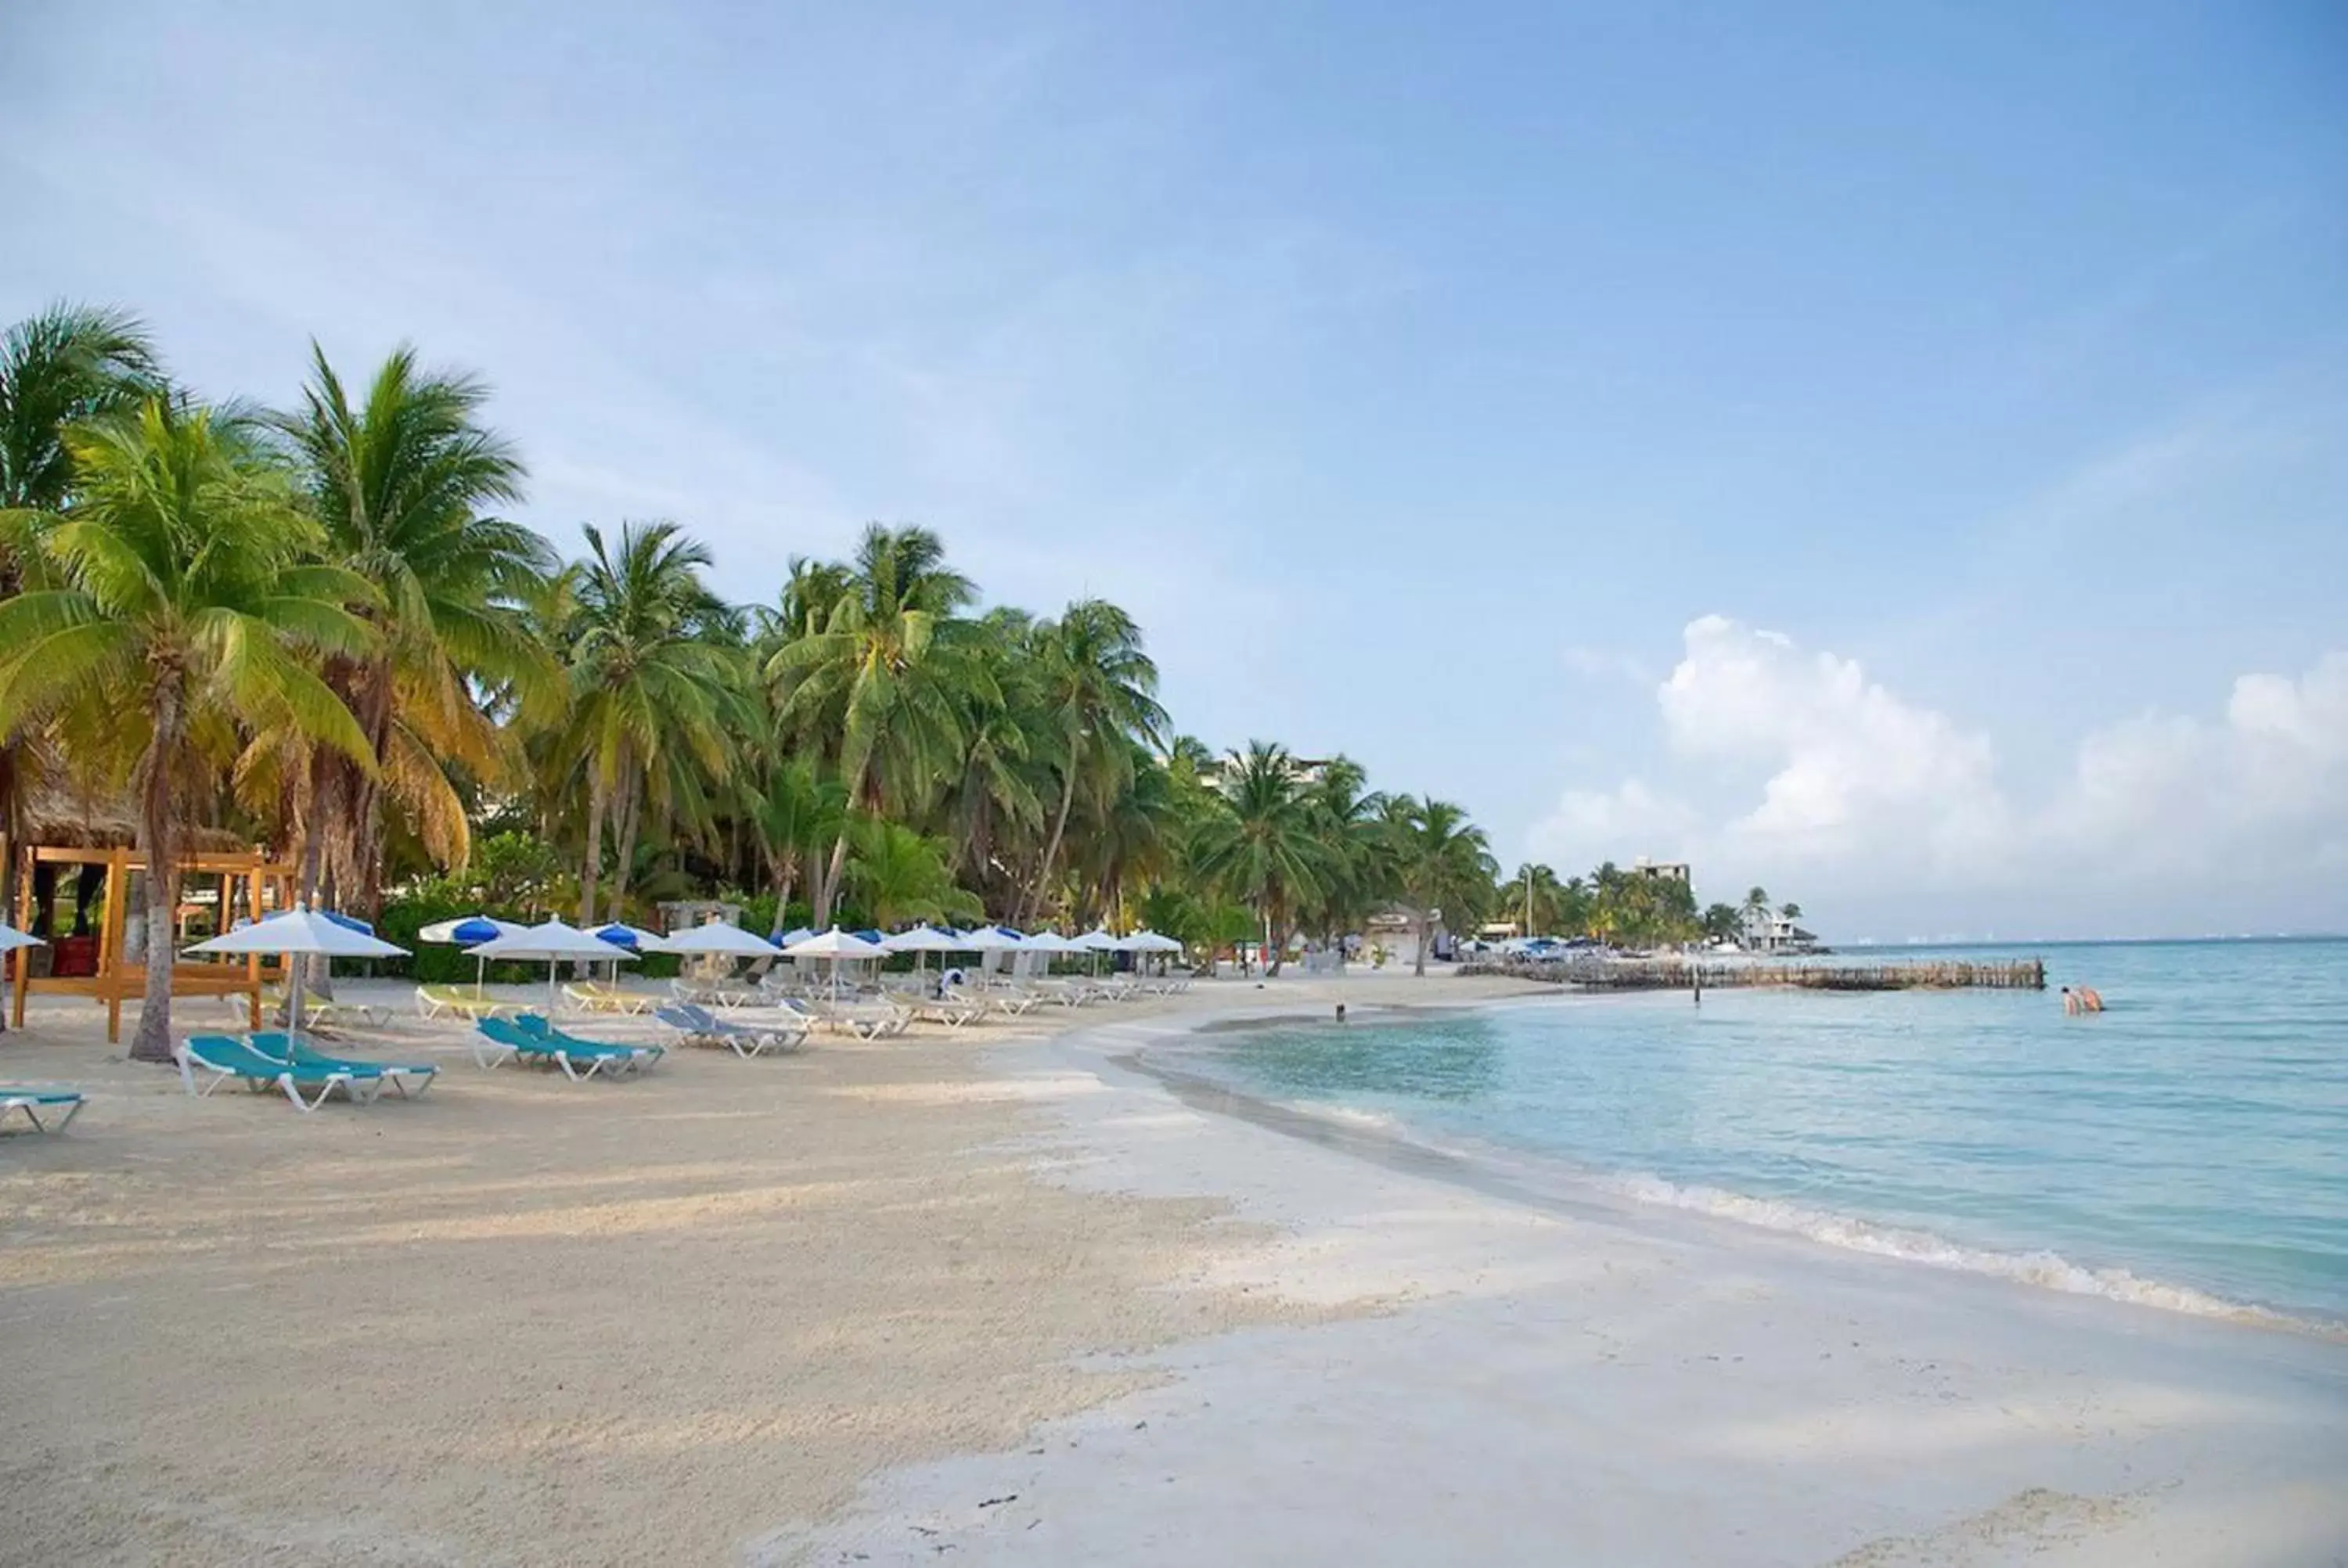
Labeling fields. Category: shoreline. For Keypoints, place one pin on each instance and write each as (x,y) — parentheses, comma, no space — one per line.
(1513,1380)
(1557,1183)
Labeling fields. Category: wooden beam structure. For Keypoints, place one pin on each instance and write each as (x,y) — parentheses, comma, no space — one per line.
(266,886)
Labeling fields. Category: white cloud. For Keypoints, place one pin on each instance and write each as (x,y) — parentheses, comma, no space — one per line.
(1791,766)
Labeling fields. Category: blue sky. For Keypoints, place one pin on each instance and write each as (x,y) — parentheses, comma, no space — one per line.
(1891,454)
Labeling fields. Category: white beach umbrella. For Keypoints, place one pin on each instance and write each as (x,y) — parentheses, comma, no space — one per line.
(794,936)
(717,936)
(1150,942)
(299,932)
(925,940)
(1051,944)
(1096,941)
(11,940)
(553,940)
(836,944)
(995,940)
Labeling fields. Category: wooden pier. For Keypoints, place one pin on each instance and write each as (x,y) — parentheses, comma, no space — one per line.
(1612,974)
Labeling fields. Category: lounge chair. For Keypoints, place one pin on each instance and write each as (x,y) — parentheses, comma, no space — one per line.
(394,1074)
(1008,1002)
(229,1060)
(531,1038)
(325,1014)
(590,996)
(439,1001)
(952,1011)
(699,1026)
(867,1021)
(34,1102)
(714,993)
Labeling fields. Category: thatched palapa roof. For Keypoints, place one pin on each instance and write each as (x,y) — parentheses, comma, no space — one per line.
(67,819)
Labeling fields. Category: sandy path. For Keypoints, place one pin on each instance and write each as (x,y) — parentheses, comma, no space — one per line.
(525,1321)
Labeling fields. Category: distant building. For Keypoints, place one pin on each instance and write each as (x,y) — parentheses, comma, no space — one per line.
(1303,770)
(1769,932)
(1661,870)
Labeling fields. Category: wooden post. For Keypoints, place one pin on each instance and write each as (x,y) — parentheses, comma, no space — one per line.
(110,940)
(253,960)
(23,923)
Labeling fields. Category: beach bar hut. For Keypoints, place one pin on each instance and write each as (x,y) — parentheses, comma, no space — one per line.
(105,875)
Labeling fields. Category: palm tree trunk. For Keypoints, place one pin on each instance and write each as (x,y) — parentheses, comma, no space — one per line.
(1426,930)
(631,814)
(594,849)
(1052,850)
(829,889)
(152,1040)
(1277,935)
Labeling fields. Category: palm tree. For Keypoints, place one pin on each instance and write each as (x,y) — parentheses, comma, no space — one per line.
(901,875)
(1536,898)
(400,484)
(1262,847)
(797,816)
(1350,821)
(878,685)
(651,689)
(1445,865)
(186,592)
(1099,690)
(1790,911)
(66,365)
(1756,910)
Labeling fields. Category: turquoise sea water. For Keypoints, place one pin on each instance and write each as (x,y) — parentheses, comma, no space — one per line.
(2187,1147)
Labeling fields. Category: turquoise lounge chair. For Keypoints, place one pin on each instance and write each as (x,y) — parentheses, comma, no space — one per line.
(34,1102)
(579,1058)
(395,1075)
(539,1027)
(225,1059)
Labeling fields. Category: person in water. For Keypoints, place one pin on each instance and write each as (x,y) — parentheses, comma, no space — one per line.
(2085,1000)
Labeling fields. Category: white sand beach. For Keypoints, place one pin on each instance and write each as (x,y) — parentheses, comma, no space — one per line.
(1001,1297)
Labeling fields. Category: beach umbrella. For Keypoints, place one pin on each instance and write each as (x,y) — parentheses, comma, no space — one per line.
(793,937)
(11,940)
(1145,942)
(1097,941)
(634,938)
(721,938)
(553,940)
(835,945)
(299,932)
(987,940)
(466,930)
(1051,944)
(923,940)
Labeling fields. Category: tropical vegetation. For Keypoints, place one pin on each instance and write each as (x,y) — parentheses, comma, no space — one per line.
(316,628)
